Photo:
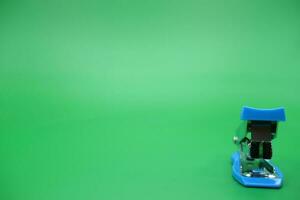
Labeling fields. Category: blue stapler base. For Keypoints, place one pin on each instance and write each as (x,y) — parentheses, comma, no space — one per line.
(264,182)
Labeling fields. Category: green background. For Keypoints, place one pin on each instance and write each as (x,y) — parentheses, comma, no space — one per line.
(140,99)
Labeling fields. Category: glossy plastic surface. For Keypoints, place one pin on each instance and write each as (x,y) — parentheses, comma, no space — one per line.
(275,114)
(252,181)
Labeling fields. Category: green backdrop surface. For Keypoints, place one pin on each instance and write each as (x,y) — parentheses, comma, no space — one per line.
(139,100)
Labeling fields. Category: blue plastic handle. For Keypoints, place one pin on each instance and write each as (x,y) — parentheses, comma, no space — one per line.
(275,114)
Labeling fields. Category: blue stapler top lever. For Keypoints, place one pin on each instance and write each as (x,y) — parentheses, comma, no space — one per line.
(251,165)
(275,114)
